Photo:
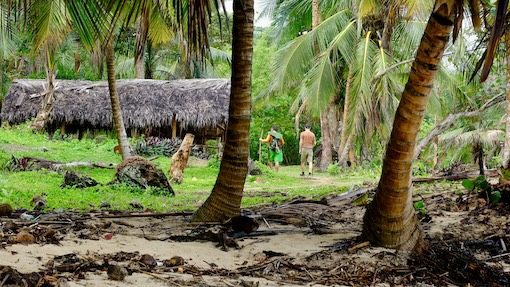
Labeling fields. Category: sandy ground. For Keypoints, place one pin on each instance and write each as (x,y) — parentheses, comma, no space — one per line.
(318,259)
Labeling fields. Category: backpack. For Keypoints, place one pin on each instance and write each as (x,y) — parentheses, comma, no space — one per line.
(275,144)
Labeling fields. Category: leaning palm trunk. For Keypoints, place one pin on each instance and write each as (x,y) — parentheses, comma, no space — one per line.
(118,122)
(225,199)
(506,149)
(390,220)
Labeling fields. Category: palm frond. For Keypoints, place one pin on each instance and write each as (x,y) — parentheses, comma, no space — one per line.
(52,23)
(6,44)
(361,92)
(321,84)
(125,67)
(160,27)
(219,55)
(385,90)
(91,20)
(288,67)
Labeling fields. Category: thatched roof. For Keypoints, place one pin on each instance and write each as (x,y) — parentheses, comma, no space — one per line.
(145,103)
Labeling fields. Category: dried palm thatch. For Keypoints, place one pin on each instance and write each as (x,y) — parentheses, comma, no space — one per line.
(197,103)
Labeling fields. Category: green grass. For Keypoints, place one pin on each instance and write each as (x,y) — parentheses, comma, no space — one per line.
(18,188)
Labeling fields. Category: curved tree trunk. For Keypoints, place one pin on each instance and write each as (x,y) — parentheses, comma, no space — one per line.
(118,121)
(225,199)
(506,149)
(390,219)
(141,42)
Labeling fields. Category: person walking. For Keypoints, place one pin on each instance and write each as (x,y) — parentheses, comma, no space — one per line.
(306,143)
(276,142)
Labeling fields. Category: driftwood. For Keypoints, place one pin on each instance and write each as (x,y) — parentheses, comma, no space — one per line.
(180,159)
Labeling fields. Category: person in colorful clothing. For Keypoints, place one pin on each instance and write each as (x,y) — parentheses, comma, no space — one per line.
(276,142)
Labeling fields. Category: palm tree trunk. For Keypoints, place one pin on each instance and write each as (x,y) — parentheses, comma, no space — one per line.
(225,199)
(346,127)
(391,16)
(43,114)
(327,152)
(390,220)
(506,149)
(118,121)
(327,146)
(141,43)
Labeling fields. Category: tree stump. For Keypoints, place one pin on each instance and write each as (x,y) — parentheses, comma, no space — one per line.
(180,159)
(140,172)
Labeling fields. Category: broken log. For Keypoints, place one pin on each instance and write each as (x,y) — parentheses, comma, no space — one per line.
(180,159)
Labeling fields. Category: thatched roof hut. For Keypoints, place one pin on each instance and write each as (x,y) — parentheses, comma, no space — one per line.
(195,103)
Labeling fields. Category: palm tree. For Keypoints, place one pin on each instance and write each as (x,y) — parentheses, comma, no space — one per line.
(390,219)
(51,25)
(366,100)
(155,26)
(225,199)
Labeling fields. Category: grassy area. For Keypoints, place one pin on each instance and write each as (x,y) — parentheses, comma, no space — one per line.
(18,188)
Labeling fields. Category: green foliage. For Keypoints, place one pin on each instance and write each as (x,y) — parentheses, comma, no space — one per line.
(214,162)
(481,185)
(420,207)
(18,188)
(333,169)
(495,196)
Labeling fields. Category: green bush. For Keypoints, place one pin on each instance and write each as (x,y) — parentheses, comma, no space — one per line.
(333,169)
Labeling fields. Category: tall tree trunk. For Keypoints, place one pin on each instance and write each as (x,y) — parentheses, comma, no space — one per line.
(118,121)
(225,199)
(185,59)
(327,146)
(389,24)
(316,17)
(141,42)
(327,152)
(390,220)
(506,149)
(149,61)
(43,114)
(346,128)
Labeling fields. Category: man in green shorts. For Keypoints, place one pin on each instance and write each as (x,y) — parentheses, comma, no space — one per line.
(275,140)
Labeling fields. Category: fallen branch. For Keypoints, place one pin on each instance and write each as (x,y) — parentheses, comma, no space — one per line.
(350,194)
(457,176)
(85,163)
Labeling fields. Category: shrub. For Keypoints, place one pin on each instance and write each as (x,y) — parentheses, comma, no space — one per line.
(333,169)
